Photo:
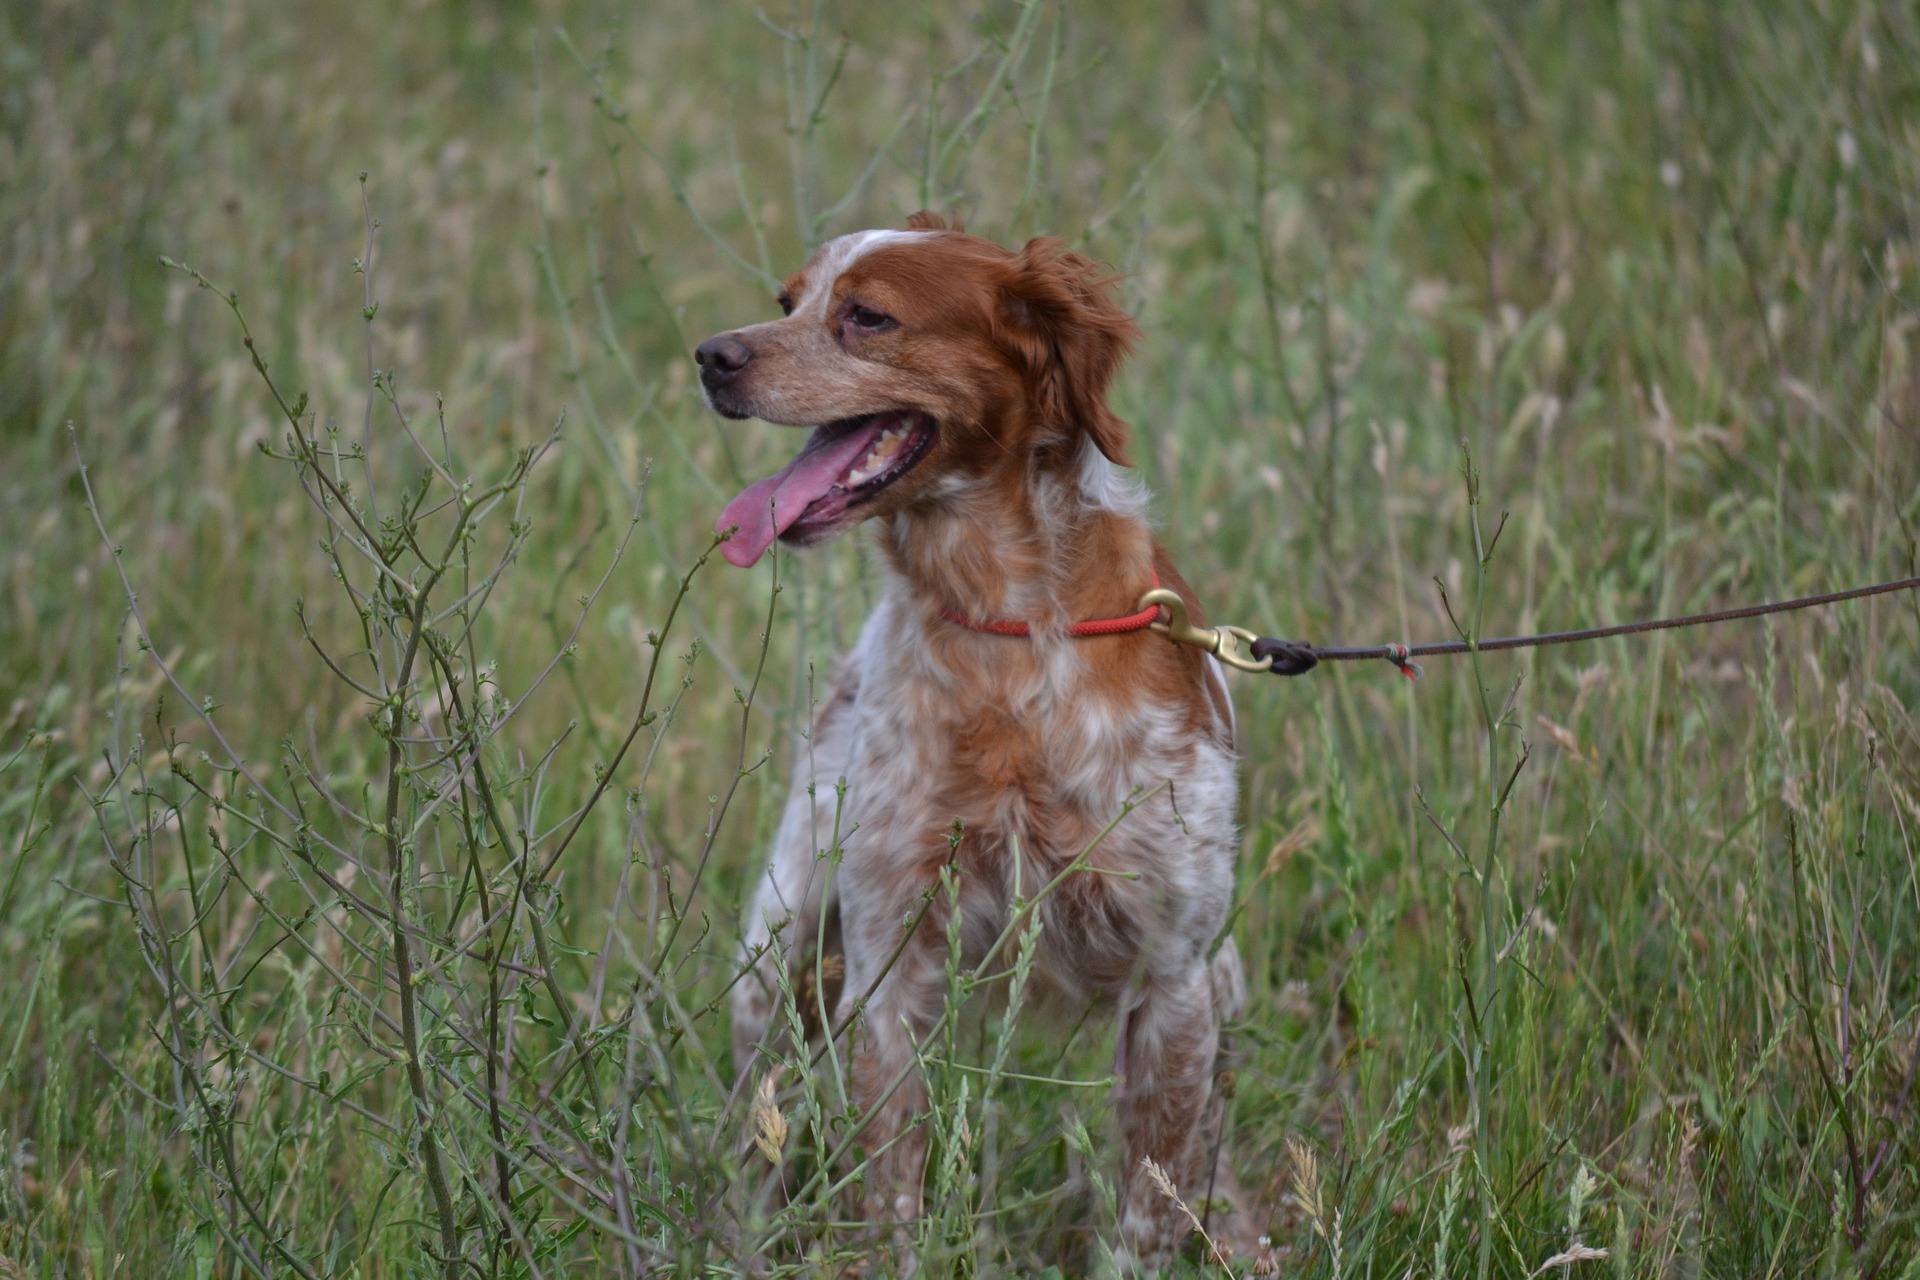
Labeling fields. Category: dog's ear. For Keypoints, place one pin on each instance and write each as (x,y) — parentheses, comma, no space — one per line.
(1066,329)
(927,220)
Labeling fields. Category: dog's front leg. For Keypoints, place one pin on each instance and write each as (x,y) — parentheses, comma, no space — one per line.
(888,1089)
(784,916)
(1172,1035)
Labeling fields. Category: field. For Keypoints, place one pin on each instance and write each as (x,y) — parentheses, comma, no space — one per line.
(382,757)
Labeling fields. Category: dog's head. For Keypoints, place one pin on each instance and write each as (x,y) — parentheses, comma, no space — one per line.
(923,359)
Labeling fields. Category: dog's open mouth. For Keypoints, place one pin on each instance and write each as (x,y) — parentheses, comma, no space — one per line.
(842,465)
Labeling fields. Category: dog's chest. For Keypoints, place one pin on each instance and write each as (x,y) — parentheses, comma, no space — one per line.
(1028,746)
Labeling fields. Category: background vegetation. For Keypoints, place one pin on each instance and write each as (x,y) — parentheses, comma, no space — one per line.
(375,804)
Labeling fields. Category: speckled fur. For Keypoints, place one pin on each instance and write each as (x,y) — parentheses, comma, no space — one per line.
(1033,745)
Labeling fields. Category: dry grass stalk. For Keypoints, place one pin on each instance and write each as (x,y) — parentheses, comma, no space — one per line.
(1164,1185)
(1306,1184)
(768,1125)
(1573,1253)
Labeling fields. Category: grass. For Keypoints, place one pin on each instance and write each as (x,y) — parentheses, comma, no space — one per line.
(379,776)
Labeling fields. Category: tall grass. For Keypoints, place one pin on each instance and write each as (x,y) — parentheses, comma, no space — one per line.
(381,761)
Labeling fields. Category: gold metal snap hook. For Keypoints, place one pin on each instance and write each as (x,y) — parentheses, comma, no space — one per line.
(1224,643)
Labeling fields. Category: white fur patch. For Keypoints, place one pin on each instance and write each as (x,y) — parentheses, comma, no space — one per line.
(833,260)
(1110,488)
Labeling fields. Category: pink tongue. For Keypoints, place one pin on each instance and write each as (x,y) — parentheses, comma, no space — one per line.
(767,508)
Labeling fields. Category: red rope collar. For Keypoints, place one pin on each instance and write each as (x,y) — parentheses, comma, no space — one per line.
(1091,627)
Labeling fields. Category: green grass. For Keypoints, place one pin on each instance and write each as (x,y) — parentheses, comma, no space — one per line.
(1653,265)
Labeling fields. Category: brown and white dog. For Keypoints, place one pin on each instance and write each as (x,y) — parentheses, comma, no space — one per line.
(957,395)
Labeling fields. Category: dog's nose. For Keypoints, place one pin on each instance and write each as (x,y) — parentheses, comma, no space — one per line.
(721,358)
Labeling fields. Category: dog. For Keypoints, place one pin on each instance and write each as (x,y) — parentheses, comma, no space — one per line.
(1005,688)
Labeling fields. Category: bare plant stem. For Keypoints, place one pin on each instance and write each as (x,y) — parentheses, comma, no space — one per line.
(1483,997)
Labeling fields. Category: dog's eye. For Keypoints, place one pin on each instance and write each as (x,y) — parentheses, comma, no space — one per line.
(786,303)
(867,318)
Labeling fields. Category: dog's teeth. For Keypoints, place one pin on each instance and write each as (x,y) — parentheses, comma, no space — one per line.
(883,452)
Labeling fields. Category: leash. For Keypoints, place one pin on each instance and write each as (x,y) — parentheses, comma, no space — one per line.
(1292,657)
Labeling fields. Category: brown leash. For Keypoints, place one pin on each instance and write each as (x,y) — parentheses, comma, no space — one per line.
(1292,657)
